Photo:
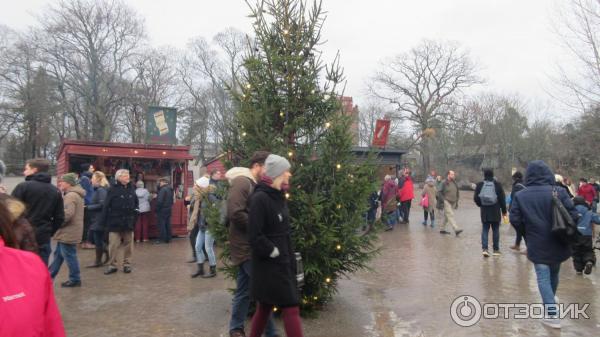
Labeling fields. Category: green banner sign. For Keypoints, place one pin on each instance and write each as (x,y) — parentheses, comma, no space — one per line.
(161,125)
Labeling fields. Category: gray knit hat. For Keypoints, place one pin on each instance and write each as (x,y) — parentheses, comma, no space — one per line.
(276,165)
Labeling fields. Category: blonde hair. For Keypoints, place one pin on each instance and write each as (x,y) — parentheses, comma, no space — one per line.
(101,177)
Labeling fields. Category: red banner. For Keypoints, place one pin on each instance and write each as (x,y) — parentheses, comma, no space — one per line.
(382,130)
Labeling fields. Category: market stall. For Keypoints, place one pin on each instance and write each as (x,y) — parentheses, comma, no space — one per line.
(145,162)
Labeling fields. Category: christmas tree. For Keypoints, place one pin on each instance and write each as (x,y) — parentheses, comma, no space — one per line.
(289,104)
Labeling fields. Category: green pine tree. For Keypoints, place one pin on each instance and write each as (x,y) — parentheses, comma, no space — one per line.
(290,105)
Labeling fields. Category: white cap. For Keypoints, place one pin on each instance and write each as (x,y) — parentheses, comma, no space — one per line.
(203,182)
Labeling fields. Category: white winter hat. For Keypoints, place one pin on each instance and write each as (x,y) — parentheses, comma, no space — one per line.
(203,182)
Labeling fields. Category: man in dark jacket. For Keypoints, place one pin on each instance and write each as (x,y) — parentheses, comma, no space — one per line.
(531,210)
(516,187)
(85,180)
(491,210)
(44,203)
(242,181)
(164,204)
(119,214)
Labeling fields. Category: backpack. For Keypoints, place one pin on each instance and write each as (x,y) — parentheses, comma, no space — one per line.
(488,194)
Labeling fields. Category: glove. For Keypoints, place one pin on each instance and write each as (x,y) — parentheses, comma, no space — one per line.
(274,253)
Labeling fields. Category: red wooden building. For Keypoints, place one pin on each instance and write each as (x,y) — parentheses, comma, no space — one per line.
(144,161)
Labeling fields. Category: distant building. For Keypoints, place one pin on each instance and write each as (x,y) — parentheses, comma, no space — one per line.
(351,110)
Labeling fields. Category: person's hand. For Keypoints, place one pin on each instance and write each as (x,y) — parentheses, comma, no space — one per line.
(188,198)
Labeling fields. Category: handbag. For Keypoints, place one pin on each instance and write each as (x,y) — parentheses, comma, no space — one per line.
(563,226)
(425,201)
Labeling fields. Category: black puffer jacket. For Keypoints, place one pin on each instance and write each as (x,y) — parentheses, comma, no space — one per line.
(273,279)
(119,212)
(44,204)
(95,208)
(164,200)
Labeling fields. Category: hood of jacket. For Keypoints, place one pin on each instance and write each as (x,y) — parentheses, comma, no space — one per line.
(239,172)
(539,174)
(43,177)
(76,189)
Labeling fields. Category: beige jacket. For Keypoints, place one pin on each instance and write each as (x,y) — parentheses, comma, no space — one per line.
(72,229)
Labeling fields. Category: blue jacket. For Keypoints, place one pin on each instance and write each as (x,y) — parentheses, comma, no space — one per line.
(531,210)
(86,182)
(587,217)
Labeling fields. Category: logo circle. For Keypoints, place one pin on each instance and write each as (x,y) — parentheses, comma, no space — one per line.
(465,310)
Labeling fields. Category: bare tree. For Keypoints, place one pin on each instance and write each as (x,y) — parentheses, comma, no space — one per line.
(577,26)
(421,81)
(90,45)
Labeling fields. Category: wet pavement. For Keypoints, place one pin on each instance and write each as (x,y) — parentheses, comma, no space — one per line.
(408,292)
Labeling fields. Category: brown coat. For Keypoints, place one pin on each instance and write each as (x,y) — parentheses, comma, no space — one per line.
(72,229)
(241,186)
(431,192)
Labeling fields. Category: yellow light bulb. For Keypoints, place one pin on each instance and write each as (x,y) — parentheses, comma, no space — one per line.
(328,280)
(285,32)
(315,298)
(339,206)
(287,195)
(338,247)
(339,166)
(275,309)
(327,125)
(243,134)
(248,86)
(290,154)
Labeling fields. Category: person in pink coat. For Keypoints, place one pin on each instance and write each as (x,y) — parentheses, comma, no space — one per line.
(27,304)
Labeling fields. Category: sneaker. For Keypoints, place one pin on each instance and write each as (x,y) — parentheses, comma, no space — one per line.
(110,270)
(444,232)
(237,333)
(497,253)
(552,322)
(515,247)
(70,284)
(457,233)
(127,269)
(486,253)
(389,228)
(588,268)
(578,272)
(424,223)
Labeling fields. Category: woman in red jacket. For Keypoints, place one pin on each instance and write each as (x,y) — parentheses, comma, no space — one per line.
(27,305)
(406,194)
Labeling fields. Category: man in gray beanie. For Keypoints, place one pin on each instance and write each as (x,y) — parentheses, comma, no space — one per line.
(276,165)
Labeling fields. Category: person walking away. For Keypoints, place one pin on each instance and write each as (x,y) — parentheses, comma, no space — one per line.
(516,187)
(560,181)
(584,258)
(273,259)
(449,194)
(69,235)
(85,181)
(372,212)
(388,201)
(406,194)
(533,210)
(204,194)
(97,227)
(489,197)
(596,186)
(428,201)
(119,214)
(29,306)
(164,205)
(143,220)
(44,202)
(241,184)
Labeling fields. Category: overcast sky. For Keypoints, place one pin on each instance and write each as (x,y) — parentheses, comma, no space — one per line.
(512,40)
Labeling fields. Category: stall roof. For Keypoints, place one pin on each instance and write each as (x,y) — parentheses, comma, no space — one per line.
(128,150)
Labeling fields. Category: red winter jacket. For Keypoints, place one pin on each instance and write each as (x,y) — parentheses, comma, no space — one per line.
(27,305)
(588,192)
(407,192)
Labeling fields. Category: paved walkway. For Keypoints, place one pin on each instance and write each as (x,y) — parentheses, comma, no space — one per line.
(408,293)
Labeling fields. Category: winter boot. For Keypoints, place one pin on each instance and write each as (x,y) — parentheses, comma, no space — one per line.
(211,273)
(98,262)
(200,271)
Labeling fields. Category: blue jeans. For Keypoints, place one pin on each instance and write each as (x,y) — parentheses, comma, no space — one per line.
(44,252)
(241,301)
(495,235)
(547,280)
(66,252)
(206,240)
(163,218)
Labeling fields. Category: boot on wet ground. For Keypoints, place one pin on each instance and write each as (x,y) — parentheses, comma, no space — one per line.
(211,273)
(200,271)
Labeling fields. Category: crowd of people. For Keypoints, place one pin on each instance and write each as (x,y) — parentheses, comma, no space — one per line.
(255,212)
(531,204)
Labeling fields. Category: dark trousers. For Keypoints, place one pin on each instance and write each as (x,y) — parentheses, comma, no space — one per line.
(99,240)
(405,210)
(164,225)
(583,252)
(193,236)
(426,213)
(495,232)
(44,251)
(87,235)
